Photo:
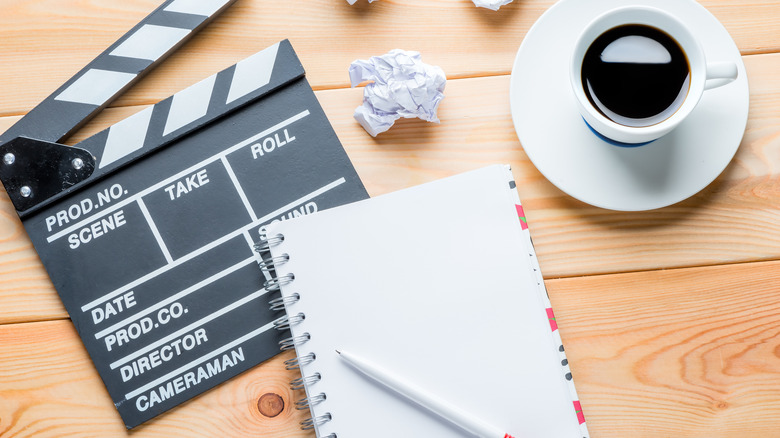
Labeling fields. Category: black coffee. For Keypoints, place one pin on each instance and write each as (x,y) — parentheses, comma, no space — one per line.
(635,75)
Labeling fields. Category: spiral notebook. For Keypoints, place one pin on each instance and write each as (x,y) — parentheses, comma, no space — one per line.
(438,283)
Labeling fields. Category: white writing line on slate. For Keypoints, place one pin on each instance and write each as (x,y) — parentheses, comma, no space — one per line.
(199,360)
(194,288)
(208,247)
(179,175)
(194,325)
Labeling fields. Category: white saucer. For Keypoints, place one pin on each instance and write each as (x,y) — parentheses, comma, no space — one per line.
(563,148)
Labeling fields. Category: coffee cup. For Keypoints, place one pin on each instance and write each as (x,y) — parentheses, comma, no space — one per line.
(637,72)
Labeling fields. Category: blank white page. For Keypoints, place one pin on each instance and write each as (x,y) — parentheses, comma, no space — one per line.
(435,283)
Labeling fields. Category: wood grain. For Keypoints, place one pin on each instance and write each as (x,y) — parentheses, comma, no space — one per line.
(686,353)
(49,388)
(45,42)
(679,353)
(734,220)
(670,317)
(26,292)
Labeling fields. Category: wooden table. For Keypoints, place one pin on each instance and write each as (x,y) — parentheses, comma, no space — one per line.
(671,318)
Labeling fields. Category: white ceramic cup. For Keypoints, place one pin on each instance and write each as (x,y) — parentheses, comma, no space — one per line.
(703,76)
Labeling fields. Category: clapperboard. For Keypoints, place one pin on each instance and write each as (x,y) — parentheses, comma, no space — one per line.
(147,228)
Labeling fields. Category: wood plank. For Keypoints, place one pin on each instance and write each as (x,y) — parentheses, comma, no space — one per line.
(736,219)
(45,42)
(49,388)
(684,353)
(678,353)
(26,292)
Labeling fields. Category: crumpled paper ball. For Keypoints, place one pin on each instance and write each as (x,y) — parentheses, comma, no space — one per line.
(490,4)
(403,86)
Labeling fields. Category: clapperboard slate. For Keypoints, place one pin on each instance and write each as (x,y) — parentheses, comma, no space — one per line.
(152,253)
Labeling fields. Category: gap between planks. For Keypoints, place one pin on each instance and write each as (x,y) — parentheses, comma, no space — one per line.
(546,280)
(756,52)
(343,86)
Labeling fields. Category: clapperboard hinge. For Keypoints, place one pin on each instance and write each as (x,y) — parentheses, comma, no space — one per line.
(37,171)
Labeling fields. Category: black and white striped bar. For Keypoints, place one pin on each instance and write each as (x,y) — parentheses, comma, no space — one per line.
(177,116)
(193,107)
(116,69)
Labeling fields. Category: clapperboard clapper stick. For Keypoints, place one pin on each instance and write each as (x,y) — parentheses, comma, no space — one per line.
(33,168)
(148,228)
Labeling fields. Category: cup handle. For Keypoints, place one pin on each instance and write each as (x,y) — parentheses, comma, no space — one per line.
(719,74)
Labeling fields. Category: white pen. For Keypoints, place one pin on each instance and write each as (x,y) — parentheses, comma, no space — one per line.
(425,399)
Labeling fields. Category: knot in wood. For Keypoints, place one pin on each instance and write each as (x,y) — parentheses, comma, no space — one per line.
(270,405)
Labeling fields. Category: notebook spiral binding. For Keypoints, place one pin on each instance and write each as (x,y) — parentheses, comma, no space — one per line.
(268,264)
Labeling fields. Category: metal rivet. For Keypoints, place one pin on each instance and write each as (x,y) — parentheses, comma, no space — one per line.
(77,163)
(25,191)
(9,158)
